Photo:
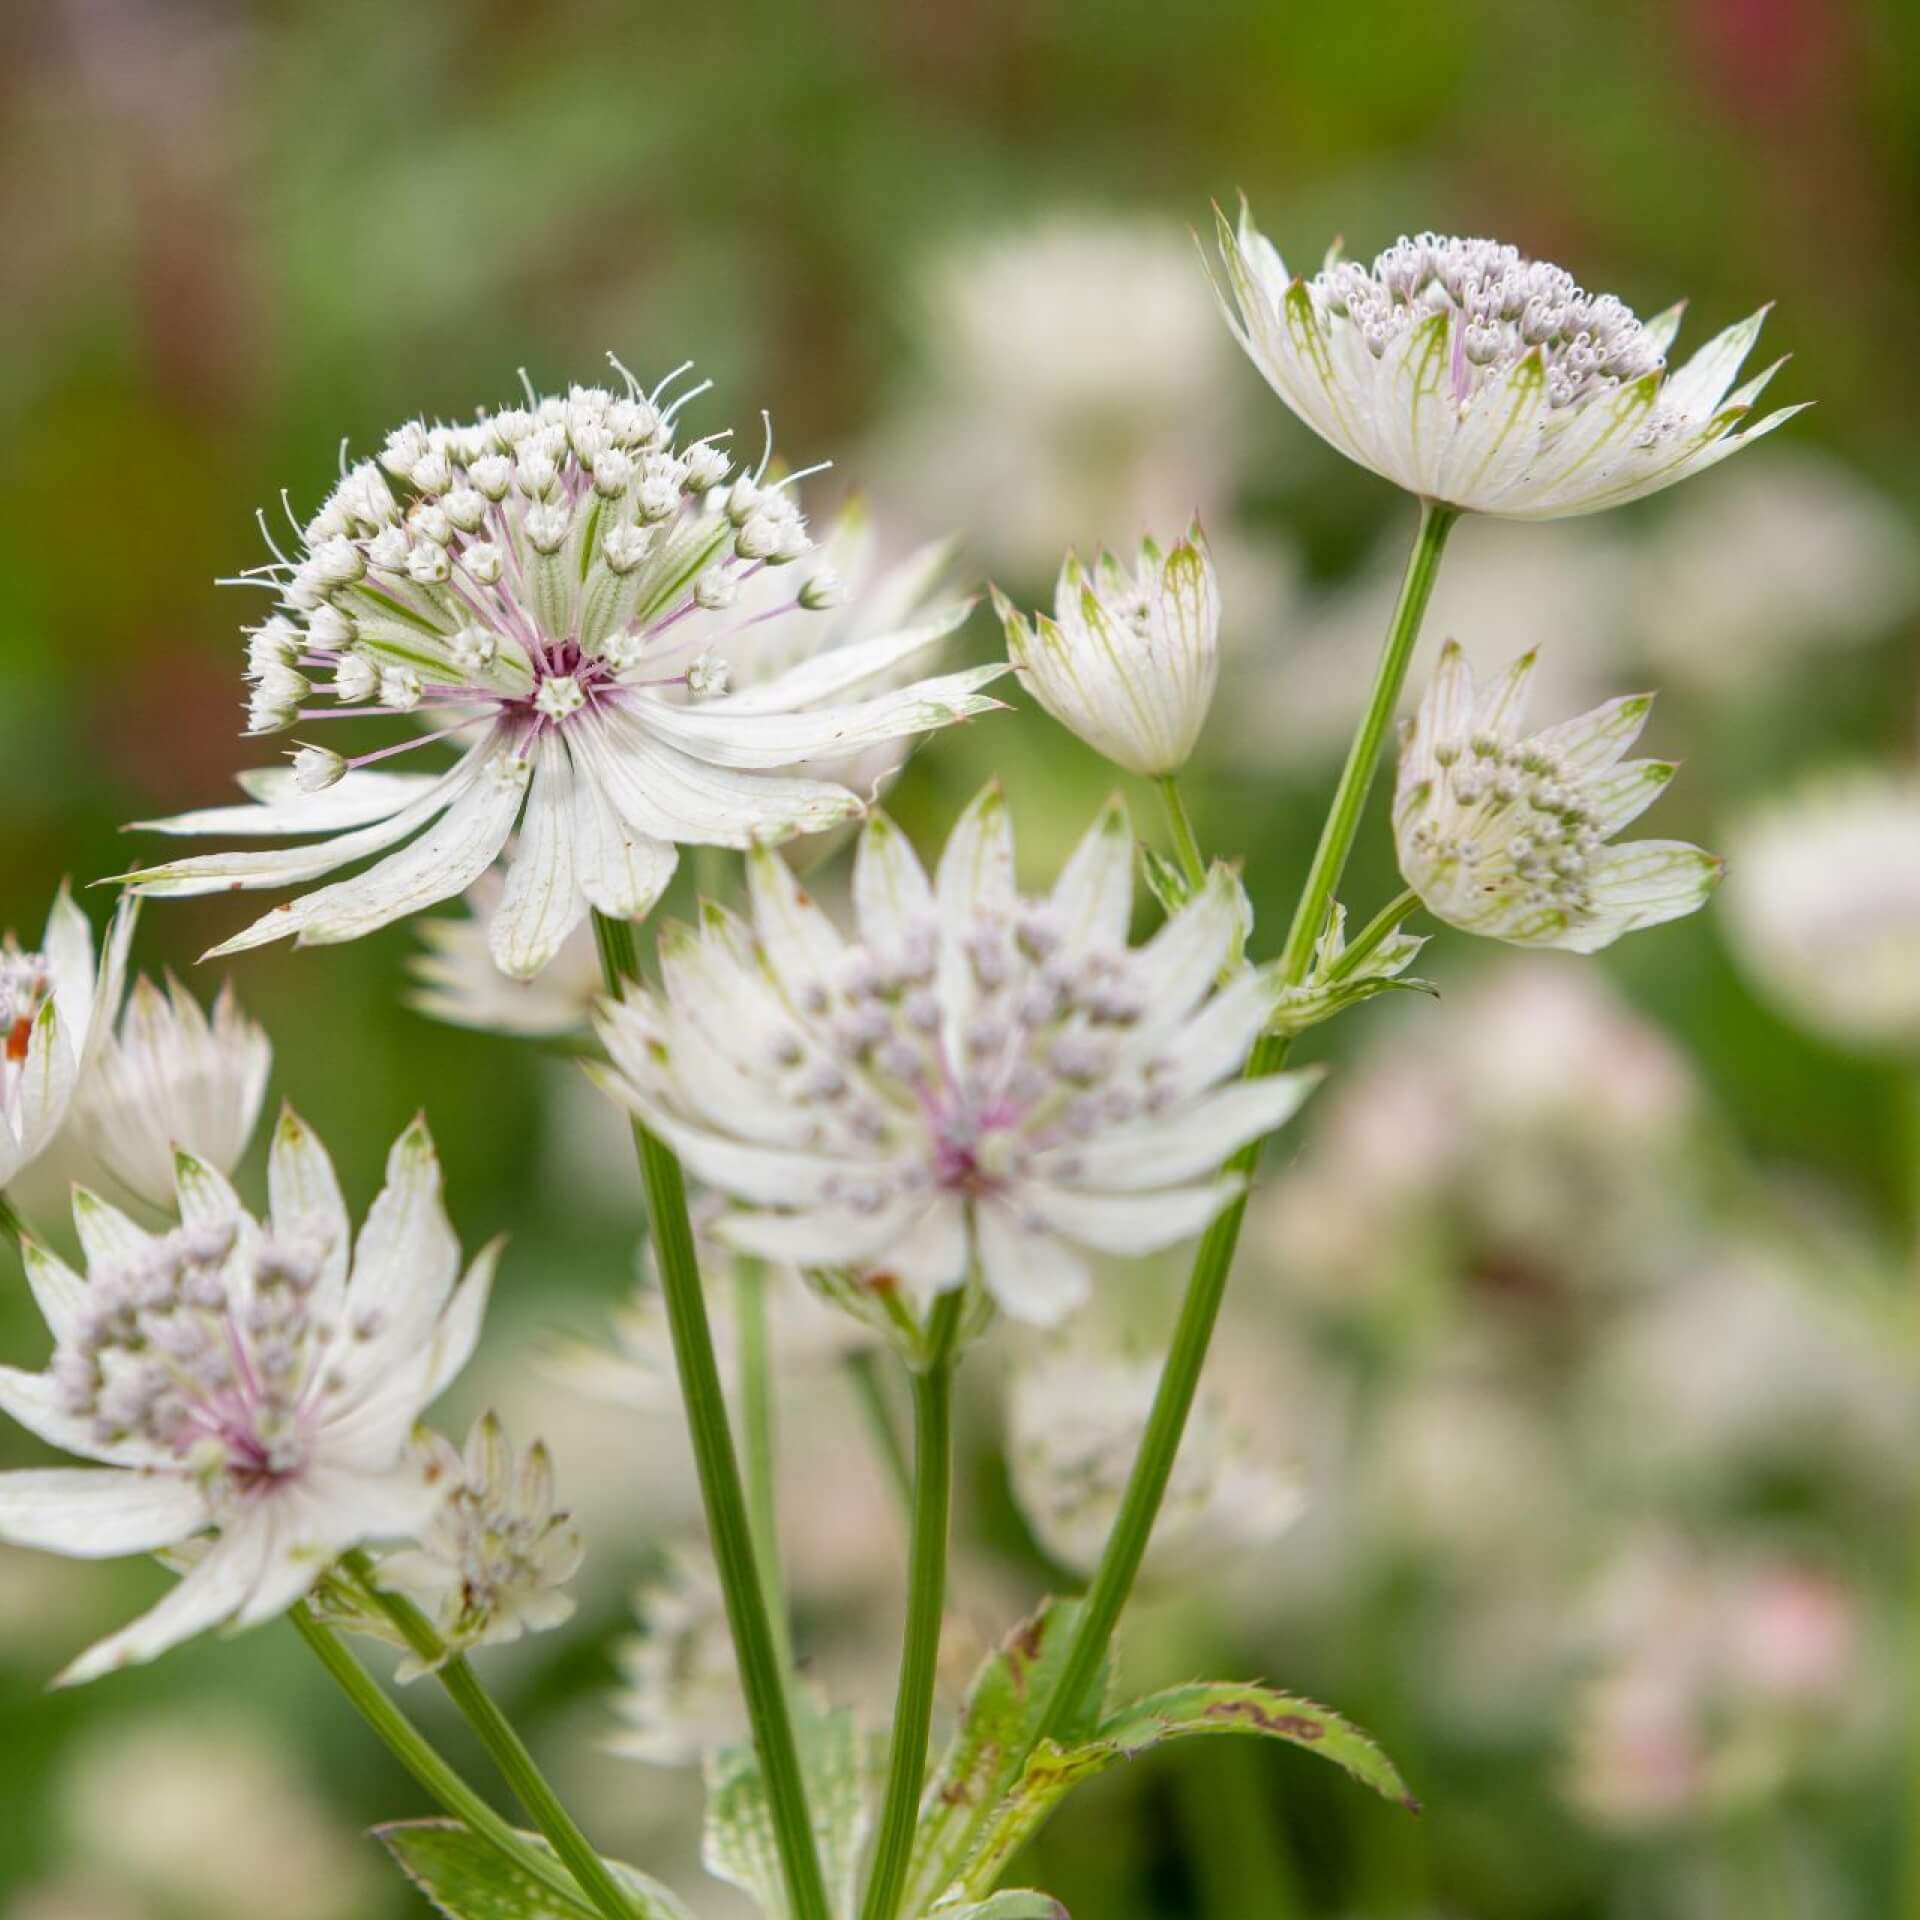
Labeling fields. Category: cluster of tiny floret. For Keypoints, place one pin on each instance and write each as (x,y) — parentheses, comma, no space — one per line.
(524,561)
(1042,1061)
(1509,307)
(214,1367)
(1511,815)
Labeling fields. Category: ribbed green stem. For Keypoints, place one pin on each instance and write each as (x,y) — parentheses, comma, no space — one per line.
(720,1489)
(410,1747)
(1185,843)
(509,1751)
(1364,943)
(863,1375)
(1363,756)
(1200,1307)
(926,1606)
(757,1444)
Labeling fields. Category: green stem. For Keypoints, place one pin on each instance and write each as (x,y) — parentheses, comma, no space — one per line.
(411,1749)
(926,1605)
(1200,1307)
(509,1751)
(757,1444)
(1363,757)
(720,1489)
(1185,844)
(863,1375)
(1374,933)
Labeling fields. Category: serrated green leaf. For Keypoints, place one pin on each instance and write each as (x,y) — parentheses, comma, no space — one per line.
(998,1720)
(739,1845)
(467,1879)
(1205,1708)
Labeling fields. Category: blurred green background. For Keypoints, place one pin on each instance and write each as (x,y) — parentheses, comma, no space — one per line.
(1547,1348)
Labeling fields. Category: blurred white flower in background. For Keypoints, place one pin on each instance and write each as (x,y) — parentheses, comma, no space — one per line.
(169,1077)
(1824,906)
(1076,1414)
(1468,374)
(681,1695)
(1077,387)
(456,980)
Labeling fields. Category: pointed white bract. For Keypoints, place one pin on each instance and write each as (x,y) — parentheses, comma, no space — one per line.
(1472,376)
(55,1010)
(981,1081)
(681,1697)
(1824,907)
(1505,834)
(455,979)
(256,1381)
(628,643)
(491,1564)
(1128,661)
(1075,1419)
(170,1078)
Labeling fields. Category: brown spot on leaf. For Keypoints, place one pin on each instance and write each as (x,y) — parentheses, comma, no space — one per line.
(1289,1726)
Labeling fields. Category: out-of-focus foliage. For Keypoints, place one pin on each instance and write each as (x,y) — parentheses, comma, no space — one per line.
(1582,1303)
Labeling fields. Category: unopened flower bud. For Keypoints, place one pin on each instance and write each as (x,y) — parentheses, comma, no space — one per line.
(315,769)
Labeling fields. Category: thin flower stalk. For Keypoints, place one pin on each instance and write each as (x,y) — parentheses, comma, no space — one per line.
(720,1488)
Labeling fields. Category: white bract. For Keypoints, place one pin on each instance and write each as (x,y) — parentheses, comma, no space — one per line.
(257,1380)
(171,1078)
(1824,906)
(491,1563)
(54,1014)
(457,981)
(982,1081)
(1128,662)
(1470,375)
(1505,834)
(1075,1418)
(631,651)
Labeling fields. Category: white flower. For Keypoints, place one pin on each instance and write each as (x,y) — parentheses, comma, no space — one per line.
(1075,1417)
(457,981)
(1505,835)
(1470,375)
(54,1013)
(682,1699)
(1824,906)
(490,1564)
(261,1381)
(171,1078)
(1128,664)
(983,1081)
(557,638)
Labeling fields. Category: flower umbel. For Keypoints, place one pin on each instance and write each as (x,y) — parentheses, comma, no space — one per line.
(257,1380)
(54,1013)
(1470,375)
(612,626)
(1505,835)
(983,1080)
(169,1078)
(1129,661)
(490,1564)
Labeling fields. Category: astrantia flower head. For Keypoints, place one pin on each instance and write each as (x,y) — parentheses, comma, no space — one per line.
(1075,1417)
(1129,661)
(615,630)
(1470,375)
(681,1699)
(257,1380)
(172,1078)
(1506,834)
(983,1081)
(491,1563)
(1824,906)
(54,1013)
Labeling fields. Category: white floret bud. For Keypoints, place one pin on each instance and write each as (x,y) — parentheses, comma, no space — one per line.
(276,699)
(535,474)
(633,423)
(429,521)
(432,473)
(715,589)
(329,629)
(707,676)
(658,498)
(612,472)
(757,539)
(275,643)
(743,501)
(626,547)
(472,649)
(559,696)
(406,447)
(315,769)
(400,689)
(388,549)
(466,508)
(492,475)
(547,526)
(480,560)
(428,565)
(706,467)
(354,679)
(509,426)
(822,590)
(790,543)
